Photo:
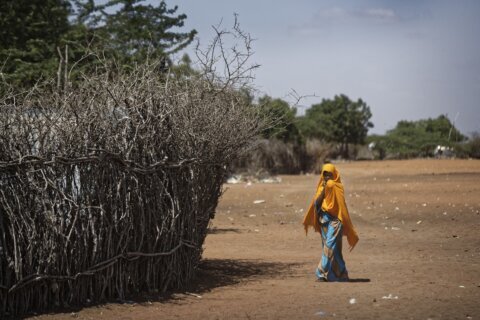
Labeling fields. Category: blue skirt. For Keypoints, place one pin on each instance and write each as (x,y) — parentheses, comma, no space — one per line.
(331,266)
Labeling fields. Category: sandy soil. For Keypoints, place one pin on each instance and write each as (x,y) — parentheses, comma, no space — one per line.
(418,255)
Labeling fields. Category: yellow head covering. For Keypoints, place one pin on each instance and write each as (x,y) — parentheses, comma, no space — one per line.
(333,203)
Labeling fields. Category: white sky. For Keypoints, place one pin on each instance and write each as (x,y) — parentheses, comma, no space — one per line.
(408,59)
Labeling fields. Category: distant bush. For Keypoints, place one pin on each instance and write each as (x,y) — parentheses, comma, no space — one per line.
(470,148)
(278,157)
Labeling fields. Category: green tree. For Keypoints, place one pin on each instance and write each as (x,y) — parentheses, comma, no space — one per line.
(39,37)
(282,116)
(132,31)
(418,138)
(184,67)
(339,120)
(443,128)
(30,32)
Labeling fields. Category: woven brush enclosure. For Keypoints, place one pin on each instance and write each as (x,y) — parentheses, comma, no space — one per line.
(107,187)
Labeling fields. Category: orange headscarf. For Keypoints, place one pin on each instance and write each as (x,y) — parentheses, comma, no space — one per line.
(334,204)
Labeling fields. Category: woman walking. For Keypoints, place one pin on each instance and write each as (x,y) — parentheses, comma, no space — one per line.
(328,215)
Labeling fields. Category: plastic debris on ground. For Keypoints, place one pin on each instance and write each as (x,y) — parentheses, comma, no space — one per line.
(251,179)
(234,179)
(258,201)
(271,180)
(390,297)
(194,295)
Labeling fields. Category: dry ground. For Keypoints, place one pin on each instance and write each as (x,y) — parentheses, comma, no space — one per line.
(418,255)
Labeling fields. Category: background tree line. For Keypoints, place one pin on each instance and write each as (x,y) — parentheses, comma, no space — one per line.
(341,126)
(46,38)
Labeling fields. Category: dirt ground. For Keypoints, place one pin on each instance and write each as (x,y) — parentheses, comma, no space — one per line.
(418,255)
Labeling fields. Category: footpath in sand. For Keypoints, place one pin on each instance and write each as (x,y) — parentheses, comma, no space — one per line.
(418,255)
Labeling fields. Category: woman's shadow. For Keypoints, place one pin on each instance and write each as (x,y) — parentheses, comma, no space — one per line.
(359,280)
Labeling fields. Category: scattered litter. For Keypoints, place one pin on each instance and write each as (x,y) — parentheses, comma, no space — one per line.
(397,208)
(252,215)
(320,313)
(249,179)
(234,180)
(353,301)
(419,221)
(258,201)
(299,211)
(424,204)
(390,297)
(461,286)
(271,180)
(395,228)
(194,295)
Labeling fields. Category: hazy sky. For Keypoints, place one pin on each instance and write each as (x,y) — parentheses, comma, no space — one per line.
(408,59)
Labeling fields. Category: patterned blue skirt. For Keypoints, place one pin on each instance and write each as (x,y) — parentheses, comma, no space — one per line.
(331,266)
